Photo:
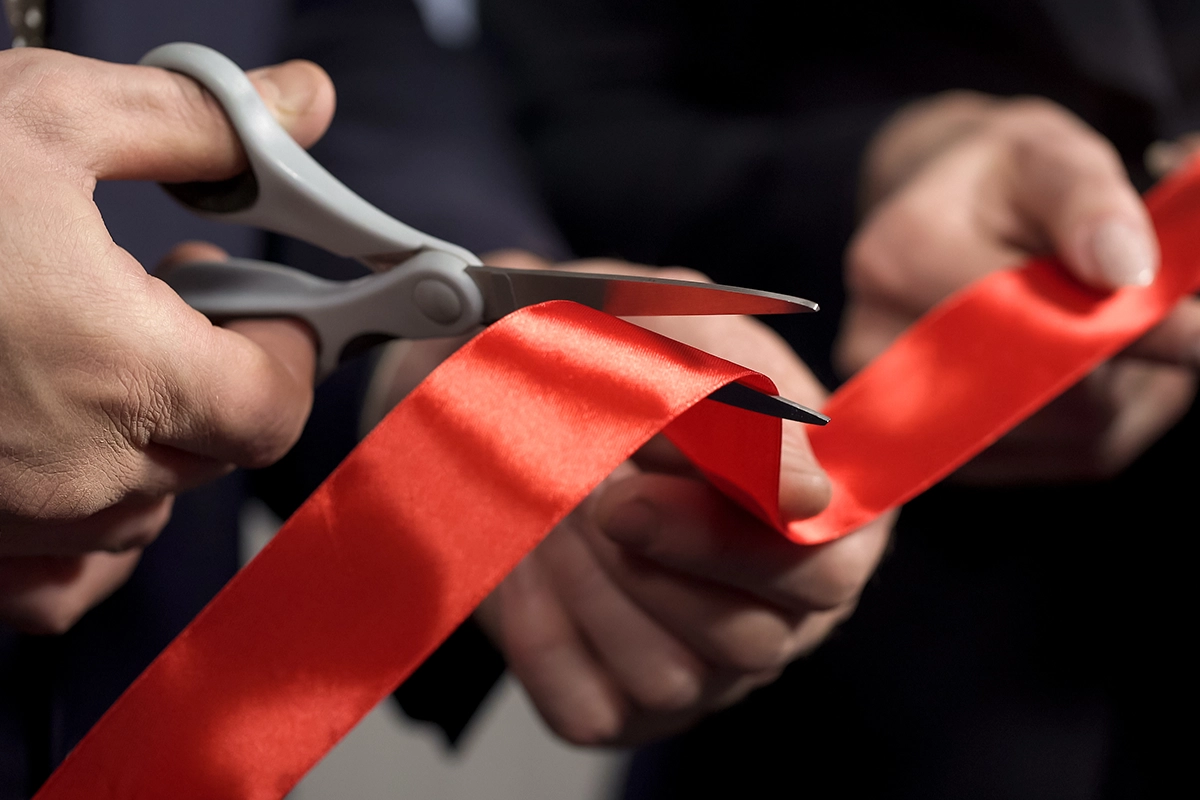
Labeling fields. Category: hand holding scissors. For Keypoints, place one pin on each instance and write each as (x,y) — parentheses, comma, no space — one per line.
(658,600)
(423,287)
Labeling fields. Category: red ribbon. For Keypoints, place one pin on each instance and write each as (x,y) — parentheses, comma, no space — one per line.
(981,362)
(470,472)
(403,541)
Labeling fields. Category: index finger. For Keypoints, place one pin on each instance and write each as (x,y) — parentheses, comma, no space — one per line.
(686,526)
(237,394)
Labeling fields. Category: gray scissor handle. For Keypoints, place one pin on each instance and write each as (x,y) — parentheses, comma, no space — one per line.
(287,191)
(403,303)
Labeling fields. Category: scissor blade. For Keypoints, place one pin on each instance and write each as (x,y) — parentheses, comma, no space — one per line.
(505,290)
(736,394)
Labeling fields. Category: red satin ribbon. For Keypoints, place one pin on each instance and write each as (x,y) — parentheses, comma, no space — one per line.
(981,362)
(470,472)
(401,543)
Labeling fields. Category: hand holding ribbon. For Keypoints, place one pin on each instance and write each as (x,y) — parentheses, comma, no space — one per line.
(466,476)
(963,185)
(659,600)
(393,552)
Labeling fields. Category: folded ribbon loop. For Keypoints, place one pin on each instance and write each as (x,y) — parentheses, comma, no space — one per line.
(469,473)
(981,362)
(401,543)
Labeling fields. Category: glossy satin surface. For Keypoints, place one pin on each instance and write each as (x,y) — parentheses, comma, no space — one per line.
(402,542)
(471,471)
(981,362)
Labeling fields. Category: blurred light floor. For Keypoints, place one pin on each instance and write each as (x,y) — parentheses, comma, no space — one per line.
(506,754)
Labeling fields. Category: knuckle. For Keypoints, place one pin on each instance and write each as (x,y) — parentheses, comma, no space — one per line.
(66,491)
(273,435)
(181,97)
(261,421)
(41,97)
(1035,122)
(183,102)
(133,401)
(1033,110)
(1040,132)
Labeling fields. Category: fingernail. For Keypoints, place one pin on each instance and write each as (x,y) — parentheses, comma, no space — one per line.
(633,522)
(1123,254)
(288,91)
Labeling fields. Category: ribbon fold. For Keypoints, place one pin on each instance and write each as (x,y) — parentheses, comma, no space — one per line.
(983,361)
(403,541)
(472,470)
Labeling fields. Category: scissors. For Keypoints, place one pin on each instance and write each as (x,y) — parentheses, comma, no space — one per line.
(422,287)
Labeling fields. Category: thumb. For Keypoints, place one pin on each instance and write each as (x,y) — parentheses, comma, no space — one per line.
(145,123)
(1071,183)
(804,488)
(251,415)
(290,343)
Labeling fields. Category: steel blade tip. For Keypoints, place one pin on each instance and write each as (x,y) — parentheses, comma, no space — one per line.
(748,399)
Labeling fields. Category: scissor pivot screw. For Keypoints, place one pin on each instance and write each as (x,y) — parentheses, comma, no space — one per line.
(437,301)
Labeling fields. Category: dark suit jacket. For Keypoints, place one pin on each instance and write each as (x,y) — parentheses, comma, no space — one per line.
(415,134)
(1015,643)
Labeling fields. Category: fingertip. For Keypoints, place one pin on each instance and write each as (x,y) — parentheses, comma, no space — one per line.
(289,343)
(47,595)
(244,394)
(804,487)
(516,259)
(543,649)
(301,97)
(1072,190)
(185,252)
(594,715)
(1118,253)
(803,495)
(280,406)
